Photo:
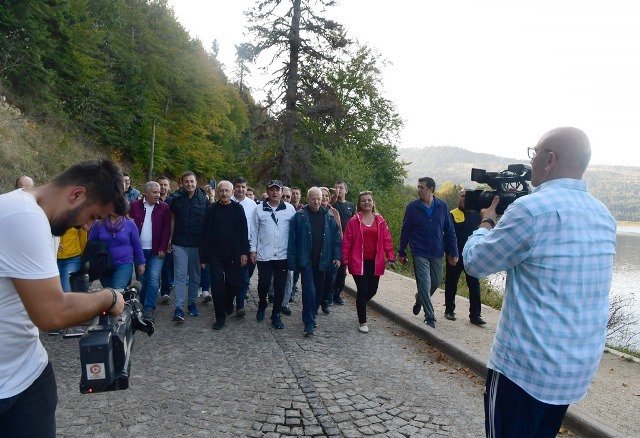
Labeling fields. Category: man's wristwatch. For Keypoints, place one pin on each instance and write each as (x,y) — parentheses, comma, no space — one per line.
(489,221)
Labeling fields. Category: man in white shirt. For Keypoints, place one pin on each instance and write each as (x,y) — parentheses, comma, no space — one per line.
(153,219)
(268,245)
(31,295)
(246,271)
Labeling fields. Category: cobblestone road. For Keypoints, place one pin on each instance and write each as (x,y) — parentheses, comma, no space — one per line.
(252,380)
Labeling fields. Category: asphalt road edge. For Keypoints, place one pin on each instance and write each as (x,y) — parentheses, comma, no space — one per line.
(576,419)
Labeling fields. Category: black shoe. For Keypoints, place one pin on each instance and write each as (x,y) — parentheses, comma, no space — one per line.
(285,310)
(338,300)
(240,313)
(276,322)
(476,320)
(148,315)
(325,309)
(450,315)
(416,308)
(218,326)
(178,315)
(430,322)
(308,330)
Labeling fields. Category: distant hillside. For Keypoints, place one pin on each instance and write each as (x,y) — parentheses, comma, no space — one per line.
(618,187)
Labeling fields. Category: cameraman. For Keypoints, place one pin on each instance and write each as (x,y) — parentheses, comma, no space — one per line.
(557,246)
(31,295)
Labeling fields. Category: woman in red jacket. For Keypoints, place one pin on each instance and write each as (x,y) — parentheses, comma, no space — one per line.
(367,248)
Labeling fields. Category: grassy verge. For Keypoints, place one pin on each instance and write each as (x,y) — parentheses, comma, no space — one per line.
(493,298)
(625,350)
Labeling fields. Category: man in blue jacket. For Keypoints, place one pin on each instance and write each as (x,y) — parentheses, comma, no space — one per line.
(314,246)
(428,229)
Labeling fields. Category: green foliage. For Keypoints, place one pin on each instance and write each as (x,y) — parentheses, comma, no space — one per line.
(449,193)
(113,69)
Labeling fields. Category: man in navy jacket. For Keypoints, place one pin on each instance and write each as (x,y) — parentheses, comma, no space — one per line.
(428,229)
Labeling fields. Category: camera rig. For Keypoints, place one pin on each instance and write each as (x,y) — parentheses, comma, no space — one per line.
(105,347)
(509,185)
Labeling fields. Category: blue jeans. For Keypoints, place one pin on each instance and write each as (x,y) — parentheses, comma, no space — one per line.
(167,274)
(119,278)
(186,267)
(294,286)
(150,279)
(246,272)
(312,288)
(428,277)
(66,267)
(205,279)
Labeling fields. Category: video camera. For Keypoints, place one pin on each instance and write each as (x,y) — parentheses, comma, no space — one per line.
(509,185)
(105,347)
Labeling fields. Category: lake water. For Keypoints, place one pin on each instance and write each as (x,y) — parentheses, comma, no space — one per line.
(624,286)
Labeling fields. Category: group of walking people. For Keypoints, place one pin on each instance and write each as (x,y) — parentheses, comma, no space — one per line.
(225,234)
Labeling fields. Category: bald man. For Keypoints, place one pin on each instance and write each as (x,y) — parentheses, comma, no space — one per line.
(24,182)
(225,247)
(557,245)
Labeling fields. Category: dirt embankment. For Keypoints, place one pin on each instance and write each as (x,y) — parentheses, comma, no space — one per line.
(39,147)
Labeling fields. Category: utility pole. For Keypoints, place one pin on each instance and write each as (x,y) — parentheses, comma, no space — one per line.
(153,149)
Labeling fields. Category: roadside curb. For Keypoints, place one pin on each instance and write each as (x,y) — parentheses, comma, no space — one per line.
(576,419)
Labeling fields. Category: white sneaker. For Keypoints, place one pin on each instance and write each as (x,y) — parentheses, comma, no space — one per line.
(206,297)
(199,292)
(364,328)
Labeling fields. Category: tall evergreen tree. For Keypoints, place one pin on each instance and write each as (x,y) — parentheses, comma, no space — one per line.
(296,34)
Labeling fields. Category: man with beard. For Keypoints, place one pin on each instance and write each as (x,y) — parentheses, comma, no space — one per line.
(31,295)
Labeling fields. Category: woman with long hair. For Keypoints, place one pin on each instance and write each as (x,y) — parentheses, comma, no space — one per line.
(120,235)
(367,249)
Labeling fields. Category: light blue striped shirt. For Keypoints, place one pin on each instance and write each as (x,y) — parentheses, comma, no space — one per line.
(557,246)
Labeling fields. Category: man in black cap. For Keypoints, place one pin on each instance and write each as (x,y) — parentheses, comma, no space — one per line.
(268,246)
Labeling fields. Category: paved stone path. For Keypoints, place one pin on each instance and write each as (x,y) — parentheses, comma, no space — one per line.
(613,400)
(252,380)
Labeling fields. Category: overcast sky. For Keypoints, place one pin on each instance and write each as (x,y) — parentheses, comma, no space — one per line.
(488,76)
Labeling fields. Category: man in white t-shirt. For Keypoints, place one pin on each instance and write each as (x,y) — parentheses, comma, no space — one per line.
(246,271)
(31,295)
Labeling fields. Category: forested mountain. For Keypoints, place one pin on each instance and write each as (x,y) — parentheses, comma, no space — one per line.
(114,75)
(618,187)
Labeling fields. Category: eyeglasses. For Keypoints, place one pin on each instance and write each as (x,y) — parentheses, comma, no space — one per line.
(532,152)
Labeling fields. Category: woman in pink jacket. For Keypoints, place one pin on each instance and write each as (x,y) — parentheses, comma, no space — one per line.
(367,248)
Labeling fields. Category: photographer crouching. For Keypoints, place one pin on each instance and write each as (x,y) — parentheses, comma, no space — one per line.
(31,295)
(557,245)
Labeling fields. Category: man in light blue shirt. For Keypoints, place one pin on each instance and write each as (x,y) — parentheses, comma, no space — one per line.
(557,246)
